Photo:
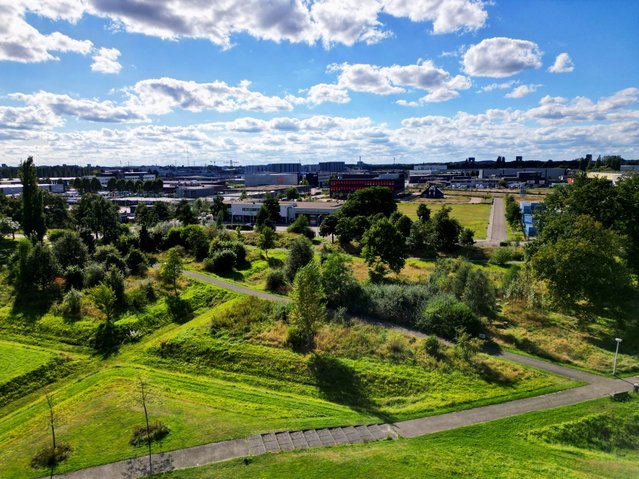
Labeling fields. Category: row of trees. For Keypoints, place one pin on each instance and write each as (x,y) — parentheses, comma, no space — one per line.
(588,243)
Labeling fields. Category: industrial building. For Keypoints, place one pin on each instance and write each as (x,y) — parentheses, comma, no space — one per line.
(246,211)
(346,184)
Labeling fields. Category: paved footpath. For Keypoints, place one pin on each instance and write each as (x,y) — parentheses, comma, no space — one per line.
(596,387)
(496,231)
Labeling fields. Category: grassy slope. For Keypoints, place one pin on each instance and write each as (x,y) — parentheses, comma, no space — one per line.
(473,216)
(498,449)
(16,360)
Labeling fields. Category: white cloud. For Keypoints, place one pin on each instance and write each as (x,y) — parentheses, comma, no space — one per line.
(28,118)
(498,86)
(105,60)
(522,91)
(563,64)
(447,16)
(20,42)
(501,57)
(395,79)
(161,95)
(326,92)
(84,109)
(558,109)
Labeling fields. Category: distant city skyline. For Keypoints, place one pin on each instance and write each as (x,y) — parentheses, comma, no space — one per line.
(255,82)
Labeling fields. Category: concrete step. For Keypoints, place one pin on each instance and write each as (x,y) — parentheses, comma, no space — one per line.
(284,441)
(270,443)
(256,445)
(338,435)
(299,441)
(381,431)
(312,438)
(364,433)
(326,438)
(390,431)
(352,435)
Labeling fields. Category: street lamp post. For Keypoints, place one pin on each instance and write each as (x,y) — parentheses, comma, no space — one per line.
(614,367)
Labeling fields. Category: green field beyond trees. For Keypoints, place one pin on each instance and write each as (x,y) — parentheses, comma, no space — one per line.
(470,215)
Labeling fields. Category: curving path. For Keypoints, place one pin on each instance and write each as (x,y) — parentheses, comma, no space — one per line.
(596,387)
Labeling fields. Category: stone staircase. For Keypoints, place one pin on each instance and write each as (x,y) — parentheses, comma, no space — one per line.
(310,438)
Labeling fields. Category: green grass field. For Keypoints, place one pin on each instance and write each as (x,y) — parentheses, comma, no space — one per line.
(16,360)
(502,449)
(469,215)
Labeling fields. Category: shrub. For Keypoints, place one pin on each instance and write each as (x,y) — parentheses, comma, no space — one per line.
(156,432)
(109,256)
(479,293)
(72,304)
(173,238)
(74,277)
(276,282)
(501,256)
(446,316)
(115,280)
(108,337)
(221,262)
(300,254)
(47,457)
(400,304)
(136,261)
(93,274)
(179,309)
(432,346)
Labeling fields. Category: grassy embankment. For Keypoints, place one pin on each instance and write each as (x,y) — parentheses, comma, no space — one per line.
(208,387)
(538,445)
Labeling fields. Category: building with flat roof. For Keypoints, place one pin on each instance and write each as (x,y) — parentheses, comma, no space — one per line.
(315,211)
(263,179)
(345,185)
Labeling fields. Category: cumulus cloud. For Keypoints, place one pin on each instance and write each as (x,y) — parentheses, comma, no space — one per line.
(501,57)
(105,60)
(559,109)
(21,42)
(522,91)
(498,86)
(563,64)
(395,79)
(83,109)
(160,96)
(324,93)
(28,118)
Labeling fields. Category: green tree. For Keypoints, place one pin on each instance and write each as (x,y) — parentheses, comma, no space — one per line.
(445,230)
(266,239)
(369,202)
(581,264)
(70,250)
(55,211)
(33,219)
(171,269)
(402,223)
(291,193)
(269,212)
(337,279)
(99,216)
(300,253)
(423,212)
(329,227)
(184,213)
(384,245)
(479,293)
(308,309)
(467,237)
(42,266)
(104,299)
(513,213)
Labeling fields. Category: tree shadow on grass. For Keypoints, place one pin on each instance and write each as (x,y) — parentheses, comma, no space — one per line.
(340,384)
(30,306)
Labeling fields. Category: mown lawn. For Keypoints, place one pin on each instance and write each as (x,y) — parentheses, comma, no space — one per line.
(16,360)
(469,215)
(498,450)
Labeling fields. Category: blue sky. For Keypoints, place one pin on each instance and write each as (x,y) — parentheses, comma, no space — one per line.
(255,81)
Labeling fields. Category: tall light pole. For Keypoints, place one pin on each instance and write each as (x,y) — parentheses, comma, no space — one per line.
(614,367)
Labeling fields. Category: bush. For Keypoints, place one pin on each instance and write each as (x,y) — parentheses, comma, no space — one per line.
(432,346)
(400,304)
(157,432)
(446,316)
(47,457)
(179,309)
(74,277)
(108,337)
(173,238)
(136,261)
(501,256)
(276,282)
(115,280)
(300,254)
(221,262)
(109,256)
(93,274)
(72,304)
